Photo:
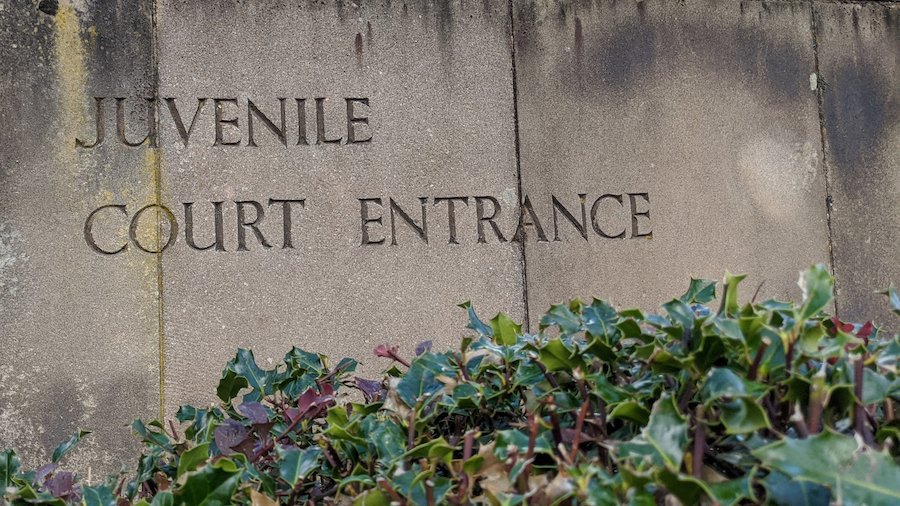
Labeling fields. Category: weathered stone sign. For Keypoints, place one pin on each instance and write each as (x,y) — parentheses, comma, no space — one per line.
(178,179)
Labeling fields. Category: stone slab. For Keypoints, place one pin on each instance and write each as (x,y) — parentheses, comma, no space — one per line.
(79,331)
(438,81)
(700,113)
(859,62)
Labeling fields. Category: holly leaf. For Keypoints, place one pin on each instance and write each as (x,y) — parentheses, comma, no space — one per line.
(701,291)
(475,323)
(893,298)
(9,466)
(505,330)
(852,471)
(68,446)
(295,464)
(191,459)
(817,286)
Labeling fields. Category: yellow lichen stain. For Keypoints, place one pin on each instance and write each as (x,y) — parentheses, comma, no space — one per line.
(68,47)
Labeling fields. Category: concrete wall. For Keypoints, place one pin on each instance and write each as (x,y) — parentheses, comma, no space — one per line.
(654,141)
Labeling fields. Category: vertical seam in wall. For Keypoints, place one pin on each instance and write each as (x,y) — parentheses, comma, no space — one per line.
(520,196)
(820,101)
(157,177)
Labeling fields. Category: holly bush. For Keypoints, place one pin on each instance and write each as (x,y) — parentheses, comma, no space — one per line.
(708,401)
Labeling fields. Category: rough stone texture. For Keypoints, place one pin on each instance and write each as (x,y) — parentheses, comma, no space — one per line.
(859,61)
(707,107)
(439,82)
(78,330)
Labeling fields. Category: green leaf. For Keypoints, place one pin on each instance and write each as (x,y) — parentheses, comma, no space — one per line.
(731,492)
(855,473)
(420,380)
(295,465)
(211,485)
(631,411)
(244,366)
(67,446)
(667,431)
(743,415)
(785,491)
(189,460)
(230,385)
(164,498)
(723,382)
(475,323)
(875,387)
(663,439)
(97,496)
(730,304)
(600,320)
(556,356)
(701,291)
(893,298)
(505,330)
(818,291)
(9,466)
(562,316)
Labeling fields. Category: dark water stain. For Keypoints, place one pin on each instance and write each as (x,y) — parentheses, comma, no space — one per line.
(579,41)
(628,54)
(860,112)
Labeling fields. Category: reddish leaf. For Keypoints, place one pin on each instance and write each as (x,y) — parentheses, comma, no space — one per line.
(229,435)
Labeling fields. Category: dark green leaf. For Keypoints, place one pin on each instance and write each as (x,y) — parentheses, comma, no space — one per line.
(295,464)
(475,323)
(743,415)
(97,496)
(9,466)
(853,472)
(68,445)
(631,411)
(211,485)
(600,320)
(701,291)
(786,491)
(893,297)
(562,316)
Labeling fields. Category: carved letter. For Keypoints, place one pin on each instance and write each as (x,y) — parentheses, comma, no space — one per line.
(100,124)
(635,214)
(479,213)
(301,122)
(581,227)
(219,219)
(451,214)
(520,234)
(179,124)
(219,104)
(89,230)
(422,231)
(151,123)
(173,228)
(596,225)
(286,218)
(353,120)
(320,124)
(364,217)
(252,110)
(253,225)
